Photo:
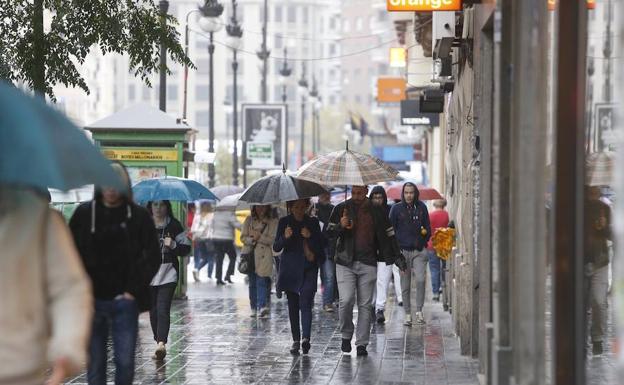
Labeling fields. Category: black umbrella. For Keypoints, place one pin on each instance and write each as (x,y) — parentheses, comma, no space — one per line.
(280,188)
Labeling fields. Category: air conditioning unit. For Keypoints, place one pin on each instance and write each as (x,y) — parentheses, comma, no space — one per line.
(432,100)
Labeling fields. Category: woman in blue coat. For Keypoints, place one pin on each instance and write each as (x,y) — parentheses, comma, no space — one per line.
(301,242)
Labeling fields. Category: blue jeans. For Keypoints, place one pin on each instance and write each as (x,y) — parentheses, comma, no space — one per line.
(122,318)
(328,276)
(204,255)
(436,267)
(258,291)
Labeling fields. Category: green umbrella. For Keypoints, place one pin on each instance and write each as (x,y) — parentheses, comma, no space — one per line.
(41,148)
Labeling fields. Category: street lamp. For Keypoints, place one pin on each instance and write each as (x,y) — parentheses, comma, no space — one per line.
(210,22)
(162,95)
(235,34)
(285,73)
(303,88)
(263,54)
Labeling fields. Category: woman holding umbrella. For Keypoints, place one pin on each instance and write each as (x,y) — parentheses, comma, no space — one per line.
(301,242)
(173,244)
(257,235)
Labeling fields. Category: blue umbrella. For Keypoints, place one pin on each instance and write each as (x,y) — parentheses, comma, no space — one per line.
(41,148)
(170,188)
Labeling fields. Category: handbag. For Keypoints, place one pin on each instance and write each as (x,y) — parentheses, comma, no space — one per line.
(246,264)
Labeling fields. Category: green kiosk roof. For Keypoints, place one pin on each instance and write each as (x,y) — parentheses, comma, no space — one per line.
(140,117)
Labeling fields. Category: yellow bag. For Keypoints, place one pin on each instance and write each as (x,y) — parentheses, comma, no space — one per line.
(443,241)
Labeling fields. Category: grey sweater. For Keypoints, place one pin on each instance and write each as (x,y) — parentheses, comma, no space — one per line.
(223,225)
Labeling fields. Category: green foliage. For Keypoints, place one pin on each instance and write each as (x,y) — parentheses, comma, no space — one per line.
(131,27)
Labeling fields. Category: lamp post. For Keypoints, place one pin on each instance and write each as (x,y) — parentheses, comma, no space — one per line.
(303,87)
(314,98)
(263,54)
(285,73)
(162,103)
(235,33)
(209,22)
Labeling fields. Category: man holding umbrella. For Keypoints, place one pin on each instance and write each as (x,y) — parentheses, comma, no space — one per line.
(362,234)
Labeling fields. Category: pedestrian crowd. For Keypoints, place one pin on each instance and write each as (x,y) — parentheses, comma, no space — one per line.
(125,259)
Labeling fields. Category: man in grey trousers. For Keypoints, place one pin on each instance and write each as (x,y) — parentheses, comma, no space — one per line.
(410,219)
(363,236)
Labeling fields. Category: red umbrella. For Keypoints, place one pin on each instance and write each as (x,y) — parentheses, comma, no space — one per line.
(425,193)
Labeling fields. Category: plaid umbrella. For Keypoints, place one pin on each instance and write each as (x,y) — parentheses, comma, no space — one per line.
(347,167)
(280,188)
(599,168)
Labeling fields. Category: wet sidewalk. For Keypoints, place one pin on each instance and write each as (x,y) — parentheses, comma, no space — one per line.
(213,340)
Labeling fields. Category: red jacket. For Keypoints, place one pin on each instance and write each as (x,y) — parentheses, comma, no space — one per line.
(437,219)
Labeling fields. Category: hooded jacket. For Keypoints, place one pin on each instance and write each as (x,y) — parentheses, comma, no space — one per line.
(342,240)
(118,246)
(409,221)
(382,191)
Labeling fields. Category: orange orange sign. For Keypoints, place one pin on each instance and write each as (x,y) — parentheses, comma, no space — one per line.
(424,5)
(552,4)
(591,4)
(390,90)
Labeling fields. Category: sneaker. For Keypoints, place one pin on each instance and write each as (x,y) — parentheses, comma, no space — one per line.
(253,314)
(400,303)
(160,353)
(380,316)
(361,350)
(220,282)
(264,312)
(196,275)
(228,279)
(294,349)
(278,294)
(408,320)
(597,348)
(328,308)
(305,345)
(436,298)
(346,345)
(420,318)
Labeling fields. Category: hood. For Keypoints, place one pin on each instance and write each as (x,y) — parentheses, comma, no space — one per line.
(382,191)
(416,195)
(120,169)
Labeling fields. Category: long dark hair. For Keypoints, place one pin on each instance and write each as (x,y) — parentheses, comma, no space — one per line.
(270,212)
(167,205)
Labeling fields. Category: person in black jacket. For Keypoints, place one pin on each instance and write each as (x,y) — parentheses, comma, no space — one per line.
(363,236)
(322,210)
(117,242)
(173,244)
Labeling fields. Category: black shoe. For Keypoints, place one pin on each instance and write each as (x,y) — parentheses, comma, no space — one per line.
(278,294)
(228,279)
(361,350)
(401,303)
(305,346)
(380,316)
(436,298)
(597,348)
(220,282)
(346,345)
(294,350)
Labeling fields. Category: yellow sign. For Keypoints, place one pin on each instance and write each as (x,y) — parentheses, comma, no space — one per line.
(424,5)
(145,155)
(398,57)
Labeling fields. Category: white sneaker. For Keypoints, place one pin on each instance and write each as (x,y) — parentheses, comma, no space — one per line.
(196,275)
(420,318)
(160,353)
(408,320)
(264,312)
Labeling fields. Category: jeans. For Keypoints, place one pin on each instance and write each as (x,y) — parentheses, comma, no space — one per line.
(358,279)
(416,261)
(258,291)
(596,289)
(160,313)
(223,247)
(436,267)
(204,255)
(328,276)
(384,274)
(122,318)
(300,303)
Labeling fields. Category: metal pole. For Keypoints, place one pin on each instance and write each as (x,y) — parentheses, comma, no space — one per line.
(285,73)
(302,144)
(235,121)
(569,309)
(211,169)
(164,6)
(264,54)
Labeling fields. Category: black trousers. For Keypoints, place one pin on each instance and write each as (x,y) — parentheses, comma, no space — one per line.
(160,313)
(223,247)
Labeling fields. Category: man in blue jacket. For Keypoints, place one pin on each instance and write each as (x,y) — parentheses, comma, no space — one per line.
(410,220)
